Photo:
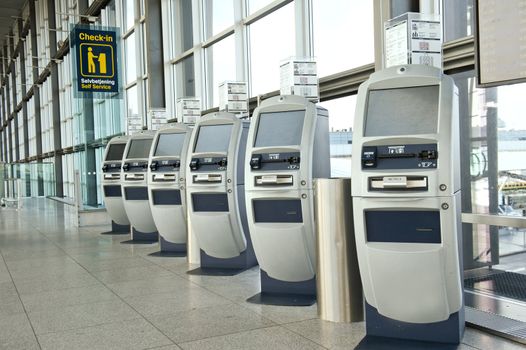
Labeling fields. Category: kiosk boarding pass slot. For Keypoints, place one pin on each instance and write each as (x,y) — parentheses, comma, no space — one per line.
(134,177)
(163,177)
(398,183)
(421,156)
(113,176)
(275,161)
(207,178)
(273,180)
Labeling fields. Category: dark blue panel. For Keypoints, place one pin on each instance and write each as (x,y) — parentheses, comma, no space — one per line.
(403,226)
(448,331)
(423,156)
(112,191)
(277,210)
(166,197)
(217,202)
(136,193)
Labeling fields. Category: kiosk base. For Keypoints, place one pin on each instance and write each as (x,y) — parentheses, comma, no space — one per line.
(117,229)
(169,249)
(449,331)
(283,293)
(142,238)
(211,266)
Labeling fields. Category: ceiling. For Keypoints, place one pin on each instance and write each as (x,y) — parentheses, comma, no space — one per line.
(9,8)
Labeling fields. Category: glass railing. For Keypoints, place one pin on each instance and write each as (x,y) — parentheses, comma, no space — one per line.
(35,179)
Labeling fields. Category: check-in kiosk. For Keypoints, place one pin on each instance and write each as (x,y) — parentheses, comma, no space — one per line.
(216,194)
(111,185)
(135,186)
(406,199)
(287,147)
(166,176)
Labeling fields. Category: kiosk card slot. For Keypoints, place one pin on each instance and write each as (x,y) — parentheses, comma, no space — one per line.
(277,180)
(207,178)
(112,176)
(163,177)
(134,177)
(397,183)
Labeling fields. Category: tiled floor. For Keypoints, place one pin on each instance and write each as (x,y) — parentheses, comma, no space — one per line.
(63,287)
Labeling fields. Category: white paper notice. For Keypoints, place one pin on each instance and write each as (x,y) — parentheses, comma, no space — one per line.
(396,44)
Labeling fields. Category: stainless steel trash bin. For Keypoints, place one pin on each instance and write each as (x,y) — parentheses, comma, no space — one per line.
(339,287)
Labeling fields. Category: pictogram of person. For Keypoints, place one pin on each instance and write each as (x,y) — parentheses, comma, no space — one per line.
(91,61)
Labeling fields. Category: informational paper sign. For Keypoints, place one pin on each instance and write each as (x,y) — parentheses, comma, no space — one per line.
(96,60)
(298,76)
(396,44)
(413,38)
(233,97)
(188,110)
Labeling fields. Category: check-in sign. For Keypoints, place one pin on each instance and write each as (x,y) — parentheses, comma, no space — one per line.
(96,60)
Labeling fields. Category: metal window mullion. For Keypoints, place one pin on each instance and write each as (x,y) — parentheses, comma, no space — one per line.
(241,41)
(167,23)
(303,23)
(199,64)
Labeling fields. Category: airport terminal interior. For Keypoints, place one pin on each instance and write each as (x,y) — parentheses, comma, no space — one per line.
(263,174)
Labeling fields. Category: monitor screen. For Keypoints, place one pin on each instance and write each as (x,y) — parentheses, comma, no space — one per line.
(170,144)
(116,151)
(213,138)
(139,148)
(280,129)
(402,111)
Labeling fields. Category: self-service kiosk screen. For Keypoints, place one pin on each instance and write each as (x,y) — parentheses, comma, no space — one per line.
(213,138)
(139,148)
(170,144)
(116,151)
(280,129)
(402,111)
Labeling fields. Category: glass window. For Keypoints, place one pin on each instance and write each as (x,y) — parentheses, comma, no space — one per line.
(254,5)
(187,25)
(133,117)
(131,58)
(129,14)
(266,52)
(219,15)
(188,77)
(341,119)
(351,21)
(493,174)
(222,65)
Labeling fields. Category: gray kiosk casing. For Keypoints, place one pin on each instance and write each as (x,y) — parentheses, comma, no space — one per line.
(135,183)
(166,186)
(287,147)
(111,180)
(406,199)
(215,190)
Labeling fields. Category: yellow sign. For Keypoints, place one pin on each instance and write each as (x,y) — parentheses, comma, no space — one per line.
(99,61)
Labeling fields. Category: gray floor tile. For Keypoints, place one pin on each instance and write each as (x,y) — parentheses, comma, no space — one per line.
(14,329)
(129,335)
(330,334)
(48,283)
(208,322)
(80,316)
(275,338)
(67,297)
(27,342)
(189,298)
(155,285)
(95,264)
(131,274)
(285,314)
